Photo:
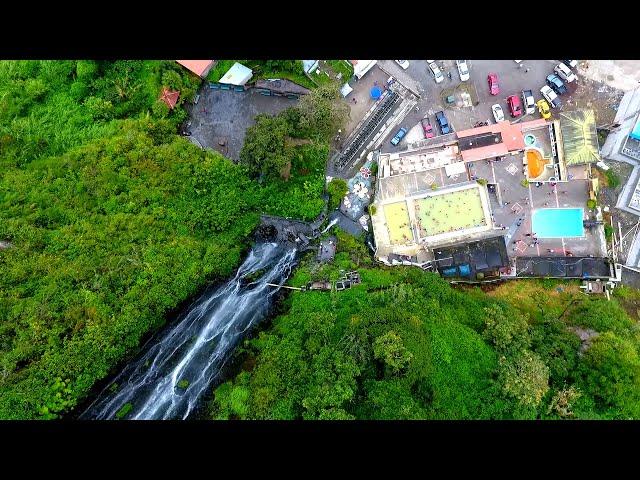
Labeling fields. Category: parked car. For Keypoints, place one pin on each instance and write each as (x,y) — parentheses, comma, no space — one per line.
(554,82)
(515,108)
(443,123)
(435,71)
(494,88)
(403,63)
(570,63)
(498,114)
(463,70)
(528,101)
(565,73)
(399,136)
(543,108)
(550,96)
(427,128)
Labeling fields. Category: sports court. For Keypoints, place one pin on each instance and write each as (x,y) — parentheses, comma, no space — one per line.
(397,217)
(450,212)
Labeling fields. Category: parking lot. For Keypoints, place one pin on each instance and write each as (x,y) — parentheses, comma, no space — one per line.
(221,117)
(512,79)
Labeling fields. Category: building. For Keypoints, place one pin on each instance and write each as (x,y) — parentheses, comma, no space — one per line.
(281,87)
(169,97)
(469,188)
(310,66)
(199,67)
(361,67)
(237,75)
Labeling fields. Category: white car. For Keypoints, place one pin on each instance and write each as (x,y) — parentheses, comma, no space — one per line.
(565,73)
(463,70)
(498,114)
(528,102)
(435,71)
(403,63)
(550,96)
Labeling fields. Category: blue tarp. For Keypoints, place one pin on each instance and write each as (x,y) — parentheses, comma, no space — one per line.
(465,271)
(450,272)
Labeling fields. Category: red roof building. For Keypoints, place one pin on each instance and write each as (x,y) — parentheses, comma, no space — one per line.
(169,97)
(494,140)
(199,67)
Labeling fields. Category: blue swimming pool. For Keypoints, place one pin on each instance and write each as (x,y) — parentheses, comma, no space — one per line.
(558,222)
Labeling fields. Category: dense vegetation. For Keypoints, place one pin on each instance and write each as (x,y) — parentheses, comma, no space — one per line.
(404,345)
(112,220)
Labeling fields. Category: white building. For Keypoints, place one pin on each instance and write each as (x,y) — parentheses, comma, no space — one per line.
(237,75)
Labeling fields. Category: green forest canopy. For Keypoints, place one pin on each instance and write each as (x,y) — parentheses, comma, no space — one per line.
(405,345)
(113,220)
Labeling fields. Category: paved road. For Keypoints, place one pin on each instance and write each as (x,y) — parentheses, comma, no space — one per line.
(512,80)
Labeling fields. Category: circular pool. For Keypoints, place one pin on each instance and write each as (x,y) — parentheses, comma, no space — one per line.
(529,139)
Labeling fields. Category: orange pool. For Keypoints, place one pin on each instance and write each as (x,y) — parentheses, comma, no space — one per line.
(535,163)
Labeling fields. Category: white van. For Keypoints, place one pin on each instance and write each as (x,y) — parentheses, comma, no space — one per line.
(565,73)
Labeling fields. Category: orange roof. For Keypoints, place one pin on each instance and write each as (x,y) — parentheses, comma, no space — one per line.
(169,97)
(484,152)
(199,67)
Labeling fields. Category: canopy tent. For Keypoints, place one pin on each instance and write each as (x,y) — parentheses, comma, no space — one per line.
(346,90)
(376,92)
(455,168)
(237,75)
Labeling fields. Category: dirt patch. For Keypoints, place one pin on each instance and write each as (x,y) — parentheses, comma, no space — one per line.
(586,337)
(595,95)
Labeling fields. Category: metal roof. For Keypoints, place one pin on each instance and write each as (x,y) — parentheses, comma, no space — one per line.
(579,137)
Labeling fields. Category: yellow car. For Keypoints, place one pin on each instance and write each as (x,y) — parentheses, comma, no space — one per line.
(543,108)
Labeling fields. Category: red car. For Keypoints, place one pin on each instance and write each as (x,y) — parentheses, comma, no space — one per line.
(494,89)
(427,128)
(513,102)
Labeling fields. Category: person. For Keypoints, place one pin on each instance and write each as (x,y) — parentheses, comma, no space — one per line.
(526,70)
(550,250)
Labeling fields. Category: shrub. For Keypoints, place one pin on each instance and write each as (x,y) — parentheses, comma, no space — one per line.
(524,183)
(372,209)
(613,180)
(591,204)
(608,232)
(337,189)
(482,181)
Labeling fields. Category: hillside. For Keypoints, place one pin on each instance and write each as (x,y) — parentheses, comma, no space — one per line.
(406,345)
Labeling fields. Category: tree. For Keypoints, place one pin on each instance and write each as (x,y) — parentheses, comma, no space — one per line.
(337,189)
(524,377)
(563,401)
(507,329)
(390,349)
(86,70)
(322,112)
(265,150)
(610,372)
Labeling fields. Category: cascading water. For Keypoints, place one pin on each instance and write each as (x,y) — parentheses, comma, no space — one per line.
(183,361)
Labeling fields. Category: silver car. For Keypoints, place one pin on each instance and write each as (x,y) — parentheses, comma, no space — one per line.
(435,71)
(463,70)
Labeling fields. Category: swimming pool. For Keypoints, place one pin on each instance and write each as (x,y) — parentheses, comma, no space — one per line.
(558,222)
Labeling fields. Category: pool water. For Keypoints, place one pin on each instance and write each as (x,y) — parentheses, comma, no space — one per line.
(558,222)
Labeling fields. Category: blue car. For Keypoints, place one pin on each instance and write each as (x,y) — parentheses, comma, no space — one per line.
(443,123)
(399,136)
